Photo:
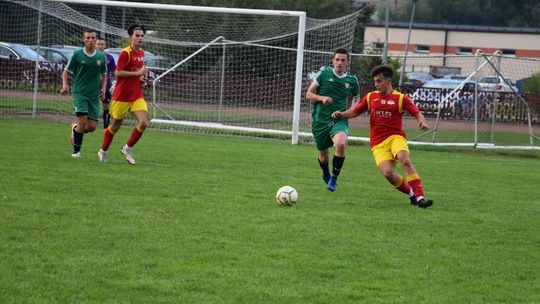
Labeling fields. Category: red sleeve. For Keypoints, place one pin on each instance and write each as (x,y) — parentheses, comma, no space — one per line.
(409,106)
(361,106)
(122,61)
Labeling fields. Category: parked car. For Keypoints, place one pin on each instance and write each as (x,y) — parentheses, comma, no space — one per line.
(159,63)
(443,83)
(418,79)
(59,55)
(455,77)
(18,52)
(497,83)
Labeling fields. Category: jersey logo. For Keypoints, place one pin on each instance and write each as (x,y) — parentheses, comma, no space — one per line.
(347,85)
(391,102)
(331,79)
(83,62)
(98,62)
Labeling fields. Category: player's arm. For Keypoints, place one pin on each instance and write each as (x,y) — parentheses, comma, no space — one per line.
(121,67)
(421,121)
(410,107)
(65,82)
(312,95)
(103,86)
(123,73)
(355,109)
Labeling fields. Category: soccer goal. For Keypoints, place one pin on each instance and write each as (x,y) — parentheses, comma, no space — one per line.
(212,70)
(479,100)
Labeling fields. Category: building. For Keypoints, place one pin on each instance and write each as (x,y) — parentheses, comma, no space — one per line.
(443,40)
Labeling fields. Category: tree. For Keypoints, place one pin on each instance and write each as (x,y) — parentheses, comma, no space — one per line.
(504,13)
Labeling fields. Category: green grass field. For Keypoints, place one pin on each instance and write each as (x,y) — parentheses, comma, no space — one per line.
(195,222)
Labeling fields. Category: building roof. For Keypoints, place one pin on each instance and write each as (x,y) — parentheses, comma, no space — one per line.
(462,28)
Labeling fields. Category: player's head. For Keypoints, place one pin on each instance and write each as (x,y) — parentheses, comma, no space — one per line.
(89,38)
(136,34)
(101,44)
(382,76)
(340,60)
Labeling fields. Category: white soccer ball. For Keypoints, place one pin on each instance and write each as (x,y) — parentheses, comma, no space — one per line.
(286,196)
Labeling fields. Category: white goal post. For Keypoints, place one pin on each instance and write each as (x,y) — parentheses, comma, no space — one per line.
(300,42)
(252,81)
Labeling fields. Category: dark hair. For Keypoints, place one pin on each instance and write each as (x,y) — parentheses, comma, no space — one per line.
(100,38)
(135,27)
(385,70)
(341,51)
(89,30)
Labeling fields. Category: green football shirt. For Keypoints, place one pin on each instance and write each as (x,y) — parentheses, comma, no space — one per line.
(86,72)
(338,88)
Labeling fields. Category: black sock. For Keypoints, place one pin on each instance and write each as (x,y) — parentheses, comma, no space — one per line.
(337,164)
(106,118)
(324,167)
(77,141)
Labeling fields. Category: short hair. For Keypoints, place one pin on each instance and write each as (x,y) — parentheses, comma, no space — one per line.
(100,38)
(135,27)
(89,30)
(341,51)
(385,70)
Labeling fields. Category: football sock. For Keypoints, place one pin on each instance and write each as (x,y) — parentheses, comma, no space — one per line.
(134,138)
(337,164)
(402,186)
(77,140)
(107,139)
(325,168)
(106,118)
(416,184)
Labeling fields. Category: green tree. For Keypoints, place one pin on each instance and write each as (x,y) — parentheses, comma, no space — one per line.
(504,13)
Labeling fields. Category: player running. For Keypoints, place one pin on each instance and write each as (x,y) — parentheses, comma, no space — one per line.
(387,138)
(87,65)
(329,92)
(128,95)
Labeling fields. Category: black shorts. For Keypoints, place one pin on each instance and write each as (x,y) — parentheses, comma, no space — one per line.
(108,97)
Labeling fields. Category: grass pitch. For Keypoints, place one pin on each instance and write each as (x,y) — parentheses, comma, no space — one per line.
(195,222)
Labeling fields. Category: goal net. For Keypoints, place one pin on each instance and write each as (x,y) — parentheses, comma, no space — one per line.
(481,100)
(212,70)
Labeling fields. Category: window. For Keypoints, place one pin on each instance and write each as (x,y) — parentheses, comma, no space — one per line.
(464,50)
(421,48)
(508,52)
(6,53)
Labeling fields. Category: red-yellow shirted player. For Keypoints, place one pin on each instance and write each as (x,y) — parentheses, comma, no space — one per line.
(387,139)
(128,95)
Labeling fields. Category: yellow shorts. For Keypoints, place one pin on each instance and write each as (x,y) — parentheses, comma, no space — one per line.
(389,148)
(119,109)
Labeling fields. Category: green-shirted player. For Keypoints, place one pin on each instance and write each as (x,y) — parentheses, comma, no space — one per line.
(88,67)
(329,92)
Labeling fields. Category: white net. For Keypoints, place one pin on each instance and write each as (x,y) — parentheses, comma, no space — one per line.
(505,112)
(246,79)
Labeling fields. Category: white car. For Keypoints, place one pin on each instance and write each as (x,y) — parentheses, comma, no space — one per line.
(497,83)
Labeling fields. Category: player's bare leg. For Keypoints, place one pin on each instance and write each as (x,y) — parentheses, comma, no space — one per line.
(413,179)
(388,170)
(142,123)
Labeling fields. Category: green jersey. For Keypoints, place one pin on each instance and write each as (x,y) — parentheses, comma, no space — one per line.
(86,72)
(339,88)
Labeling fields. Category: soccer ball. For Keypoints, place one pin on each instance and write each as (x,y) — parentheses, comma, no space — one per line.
(286,196)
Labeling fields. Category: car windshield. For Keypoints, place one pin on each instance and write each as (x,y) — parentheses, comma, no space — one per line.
(27,53)
(490,80)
